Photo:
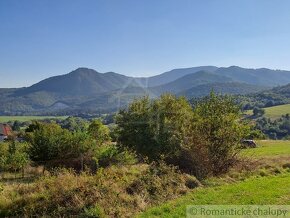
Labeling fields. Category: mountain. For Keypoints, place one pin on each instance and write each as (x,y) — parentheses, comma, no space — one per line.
(82,81)
(172,75)
(189,81)
(86,89)
(221,88)
(262,76)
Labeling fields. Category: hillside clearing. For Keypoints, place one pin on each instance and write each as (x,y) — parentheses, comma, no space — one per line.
(277,111)
(274,112)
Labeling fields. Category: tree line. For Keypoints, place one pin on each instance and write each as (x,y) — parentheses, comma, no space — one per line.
(202,140)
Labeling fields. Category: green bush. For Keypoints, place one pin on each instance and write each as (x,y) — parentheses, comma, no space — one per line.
(110,154)
(154,128)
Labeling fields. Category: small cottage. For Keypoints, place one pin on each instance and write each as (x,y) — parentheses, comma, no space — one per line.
(5,131)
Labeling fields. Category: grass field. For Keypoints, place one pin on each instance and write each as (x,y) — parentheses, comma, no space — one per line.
(267,188)
(263,191)
(275,112)
(4,119)
(269,148)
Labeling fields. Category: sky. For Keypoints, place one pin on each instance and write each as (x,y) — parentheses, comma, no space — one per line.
(43,38)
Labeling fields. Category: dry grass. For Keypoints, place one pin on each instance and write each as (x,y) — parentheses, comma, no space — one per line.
(115,192)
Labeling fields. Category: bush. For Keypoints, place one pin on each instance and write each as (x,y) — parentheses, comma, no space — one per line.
(50,144)
(110,154)
(13,156)
(213,140)
(204,141)
(154,128)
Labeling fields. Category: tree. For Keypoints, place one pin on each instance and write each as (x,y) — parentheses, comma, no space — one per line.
(215,135)
(203,141)
(14,156)
(99,131)
(154,128)
(49,142)
(74,124)
(258,112)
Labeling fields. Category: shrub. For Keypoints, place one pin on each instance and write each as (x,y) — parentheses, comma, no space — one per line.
(50,144)
(110,154)
(154,128)
(213,139)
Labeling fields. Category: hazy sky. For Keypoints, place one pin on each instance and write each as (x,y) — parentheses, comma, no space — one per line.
(42,38)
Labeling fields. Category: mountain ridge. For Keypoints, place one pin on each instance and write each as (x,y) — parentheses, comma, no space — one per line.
(86,87)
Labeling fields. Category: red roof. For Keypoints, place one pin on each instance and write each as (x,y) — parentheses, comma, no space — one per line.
(5,130)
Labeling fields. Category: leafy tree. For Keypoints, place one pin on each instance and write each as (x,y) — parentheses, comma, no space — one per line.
(13,156)
(16,126)
(49,142)
(74,124)
(99,131)
(154,128)
(258,112)
(215,135)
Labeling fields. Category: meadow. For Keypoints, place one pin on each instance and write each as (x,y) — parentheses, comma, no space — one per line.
(268,182)
(277,111)
(269,148)
(4,119)
(274,112)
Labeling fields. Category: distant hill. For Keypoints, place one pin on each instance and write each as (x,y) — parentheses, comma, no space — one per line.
(189,81)
(276,96)
(82,81)
(262,76)
(221,88)
(172,75)
(86,89)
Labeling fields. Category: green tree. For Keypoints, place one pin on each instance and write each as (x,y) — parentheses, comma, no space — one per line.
(99,132)
(215,135)
(154,128)
(13,156)
(258,112)
(49,142)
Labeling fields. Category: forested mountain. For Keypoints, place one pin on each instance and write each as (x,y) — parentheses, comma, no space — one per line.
(172,75)
(276,96)
(87,89)
(234,88)
(189,81)
(82,81)
(262,76)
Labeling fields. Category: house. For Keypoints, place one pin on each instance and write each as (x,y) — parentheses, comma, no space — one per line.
(5,131)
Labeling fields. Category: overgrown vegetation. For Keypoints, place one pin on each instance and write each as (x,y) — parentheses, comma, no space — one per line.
(158,151)
(203,141)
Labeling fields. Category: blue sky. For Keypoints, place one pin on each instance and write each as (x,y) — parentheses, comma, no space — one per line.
(42,38)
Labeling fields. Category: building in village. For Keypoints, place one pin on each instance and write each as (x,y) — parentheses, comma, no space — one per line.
(5,131)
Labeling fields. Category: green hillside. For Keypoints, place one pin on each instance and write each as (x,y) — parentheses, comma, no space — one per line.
(277,111)
(222,88)
(274,112)
(189,81)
